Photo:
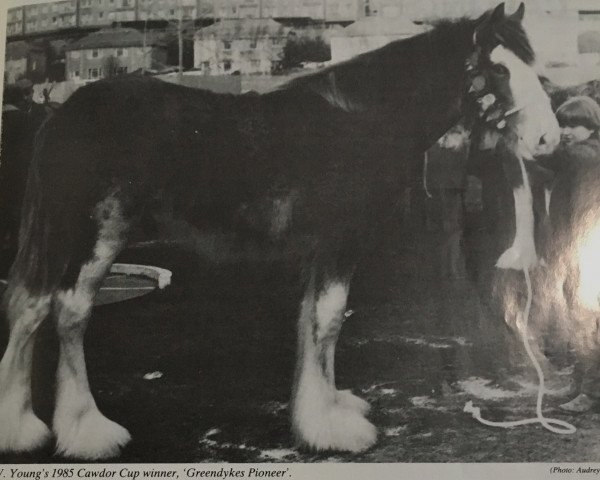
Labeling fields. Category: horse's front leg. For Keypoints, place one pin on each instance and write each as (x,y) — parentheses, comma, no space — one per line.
(324,418)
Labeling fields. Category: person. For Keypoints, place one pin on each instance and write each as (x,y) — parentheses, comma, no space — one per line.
(18,130)
(35,110)
(573,210)
(445,180)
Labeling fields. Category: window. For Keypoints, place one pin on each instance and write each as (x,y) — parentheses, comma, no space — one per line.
(119,52)
(172,12)
(253,43)
(93,72)
(226,65)
(100,14)
(120,70)
(94,53)
(226,45)
(75,74)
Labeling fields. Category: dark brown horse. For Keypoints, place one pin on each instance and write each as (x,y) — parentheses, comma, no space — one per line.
(338,146)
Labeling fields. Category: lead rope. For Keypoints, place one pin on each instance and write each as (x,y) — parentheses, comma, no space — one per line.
(425,166)
(561,427)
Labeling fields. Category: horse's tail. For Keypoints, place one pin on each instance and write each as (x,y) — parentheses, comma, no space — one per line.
(48,225)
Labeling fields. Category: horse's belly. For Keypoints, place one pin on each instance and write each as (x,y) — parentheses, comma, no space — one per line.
(257,229)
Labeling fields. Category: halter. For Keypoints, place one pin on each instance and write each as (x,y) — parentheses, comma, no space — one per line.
(489,108)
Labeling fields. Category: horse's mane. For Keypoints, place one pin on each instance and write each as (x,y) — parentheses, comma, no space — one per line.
(509,33)
(368,79)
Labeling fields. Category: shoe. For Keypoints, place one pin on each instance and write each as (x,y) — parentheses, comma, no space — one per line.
(581,403)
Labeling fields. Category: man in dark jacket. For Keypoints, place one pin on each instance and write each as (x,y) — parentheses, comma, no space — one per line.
(36,111)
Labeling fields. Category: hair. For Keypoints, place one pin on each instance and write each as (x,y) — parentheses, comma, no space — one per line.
(580,110)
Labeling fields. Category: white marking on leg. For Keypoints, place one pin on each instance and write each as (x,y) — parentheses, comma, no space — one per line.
(522,253)
(322,417)
(547,198)
(81,430)
(20,428)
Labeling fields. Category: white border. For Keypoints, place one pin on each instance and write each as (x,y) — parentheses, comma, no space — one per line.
(299,471)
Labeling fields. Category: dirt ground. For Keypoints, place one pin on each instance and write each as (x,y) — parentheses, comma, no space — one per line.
(418,347)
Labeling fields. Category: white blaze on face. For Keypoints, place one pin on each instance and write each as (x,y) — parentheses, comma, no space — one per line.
(535,118)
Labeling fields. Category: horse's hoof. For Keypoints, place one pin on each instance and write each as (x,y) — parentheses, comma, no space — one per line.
(22,432)
(91,437)
(347,399)
(337,428)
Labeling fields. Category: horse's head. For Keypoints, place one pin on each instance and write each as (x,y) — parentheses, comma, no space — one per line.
(507,93)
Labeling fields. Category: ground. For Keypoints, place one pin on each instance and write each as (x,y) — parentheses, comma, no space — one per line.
(418,347)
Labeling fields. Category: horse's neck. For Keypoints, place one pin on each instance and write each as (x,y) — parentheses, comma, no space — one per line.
(440,93)
(414,86)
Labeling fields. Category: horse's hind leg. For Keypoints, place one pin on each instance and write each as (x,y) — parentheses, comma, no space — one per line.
(20,429)
(81,430)
(324,418)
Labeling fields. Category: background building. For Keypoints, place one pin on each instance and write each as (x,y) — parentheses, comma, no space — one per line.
(23,59)
(45,17)
(111,52)
(246,46)
(562,31)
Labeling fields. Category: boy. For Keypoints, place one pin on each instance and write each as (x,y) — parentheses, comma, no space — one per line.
(574,211)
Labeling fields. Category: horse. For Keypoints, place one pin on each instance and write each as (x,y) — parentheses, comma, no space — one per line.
(343,142)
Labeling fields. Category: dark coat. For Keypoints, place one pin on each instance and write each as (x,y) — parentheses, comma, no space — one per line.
(575,188)
(18,130)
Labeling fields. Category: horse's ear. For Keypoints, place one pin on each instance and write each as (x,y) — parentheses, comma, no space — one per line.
(498,13)
(520,13)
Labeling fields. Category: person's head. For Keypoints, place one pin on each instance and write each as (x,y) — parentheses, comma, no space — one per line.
(579,119)
(26,87)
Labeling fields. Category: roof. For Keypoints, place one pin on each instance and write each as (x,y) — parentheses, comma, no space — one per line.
(380,26)
(244,28)
(115,38)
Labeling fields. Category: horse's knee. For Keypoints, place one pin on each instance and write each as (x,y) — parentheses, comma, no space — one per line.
(26,311)
(73,308)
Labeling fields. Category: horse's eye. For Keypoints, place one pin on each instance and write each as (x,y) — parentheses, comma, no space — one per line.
(499,69)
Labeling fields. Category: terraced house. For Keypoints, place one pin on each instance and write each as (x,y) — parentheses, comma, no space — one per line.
(245,46)
(113,51)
